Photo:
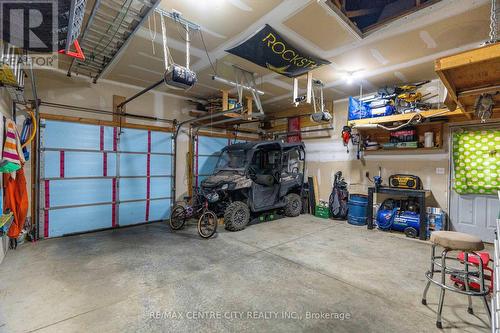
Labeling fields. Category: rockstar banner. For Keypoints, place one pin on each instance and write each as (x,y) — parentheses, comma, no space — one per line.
(268,49)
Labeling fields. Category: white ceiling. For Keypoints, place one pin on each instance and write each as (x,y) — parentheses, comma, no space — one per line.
(402,51)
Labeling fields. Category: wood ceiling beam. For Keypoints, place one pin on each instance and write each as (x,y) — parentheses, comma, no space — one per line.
(291,112)
(362,12)
(374,3)
(337,3)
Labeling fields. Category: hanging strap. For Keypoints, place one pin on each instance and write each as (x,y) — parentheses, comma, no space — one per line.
(166,53)
(494,22)
(151,33)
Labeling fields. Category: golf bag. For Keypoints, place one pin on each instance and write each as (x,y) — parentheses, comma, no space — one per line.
(339,197)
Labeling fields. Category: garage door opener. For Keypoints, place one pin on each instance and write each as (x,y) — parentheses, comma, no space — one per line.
(177,76)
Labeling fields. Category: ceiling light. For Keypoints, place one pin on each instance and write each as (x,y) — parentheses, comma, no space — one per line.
(351,76)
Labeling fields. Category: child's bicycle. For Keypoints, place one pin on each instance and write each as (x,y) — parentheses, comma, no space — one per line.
(207,219)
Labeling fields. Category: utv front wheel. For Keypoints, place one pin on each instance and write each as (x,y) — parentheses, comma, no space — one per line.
(293,205)
(236,216)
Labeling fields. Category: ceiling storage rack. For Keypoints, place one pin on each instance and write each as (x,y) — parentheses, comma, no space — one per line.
(469,75)
(109,28)
(71,16)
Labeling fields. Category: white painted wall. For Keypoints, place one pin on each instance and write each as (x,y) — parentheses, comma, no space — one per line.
(327,156)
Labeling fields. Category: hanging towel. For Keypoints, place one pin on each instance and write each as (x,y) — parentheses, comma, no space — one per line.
(12,157)
(16,199)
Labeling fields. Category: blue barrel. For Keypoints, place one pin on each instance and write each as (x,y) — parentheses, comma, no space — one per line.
(357,204)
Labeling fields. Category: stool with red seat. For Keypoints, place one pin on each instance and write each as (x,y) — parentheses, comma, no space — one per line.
(471,273)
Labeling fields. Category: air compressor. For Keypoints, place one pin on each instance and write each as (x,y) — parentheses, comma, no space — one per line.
(399,215)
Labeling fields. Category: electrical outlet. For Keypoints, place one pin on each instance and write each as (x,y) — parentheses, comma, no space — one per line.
(439,171)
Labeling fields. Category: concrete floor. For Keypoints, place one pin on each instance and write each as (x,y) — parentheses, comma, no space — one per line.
(142,278)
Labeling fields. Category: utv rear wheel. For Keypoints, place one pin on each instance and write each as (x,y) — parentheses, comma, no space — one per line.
(293,205)
(236,216)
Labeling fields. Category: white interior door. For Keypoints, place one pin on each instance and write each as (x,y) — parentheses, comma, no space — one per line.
(474,214)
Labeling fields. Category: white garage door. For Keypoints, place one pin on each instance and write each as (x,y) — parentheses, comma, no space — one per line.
(97,177)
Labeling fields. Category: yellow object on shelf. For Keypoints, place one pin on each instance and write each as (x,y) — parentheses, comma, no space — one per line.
(7,75)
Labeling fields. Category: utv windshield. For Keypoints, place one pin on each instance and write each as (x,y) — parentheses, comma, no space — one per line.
(232,159)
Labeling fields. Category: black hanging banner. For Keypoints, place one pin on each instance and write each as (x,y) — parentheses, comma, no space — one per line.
(268,49)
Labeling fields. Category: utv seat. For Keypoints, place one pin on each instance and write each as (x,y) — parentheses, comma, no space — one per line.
(264,180)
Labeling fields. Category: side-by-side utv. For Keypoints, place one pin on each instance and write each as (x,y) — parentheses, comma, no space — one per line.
(252,178)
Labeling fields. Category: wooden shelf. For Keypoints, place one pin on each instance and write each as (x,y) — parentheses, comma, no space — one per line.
(405,117)
(468,74)
(382,136)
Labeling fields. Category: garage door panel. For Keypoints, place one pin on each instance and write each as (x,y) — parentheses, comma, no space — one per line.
(85,164)
(109,134)
(132,212)
(161,142)
(74,136)
(132,188)
(133,140)
(79,164)
(79,219)
(80,191)
(159,209)
(160,187)
(161,165)
(82,182)
(133,164)
(52,164)
(208,145)
(206,164)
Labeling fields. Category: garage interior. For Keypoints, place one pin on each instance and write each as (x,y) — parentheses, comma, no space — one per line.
(248,165)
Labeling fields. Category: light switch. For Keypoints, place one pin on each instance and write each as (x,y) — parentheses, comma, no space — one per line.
(439,171)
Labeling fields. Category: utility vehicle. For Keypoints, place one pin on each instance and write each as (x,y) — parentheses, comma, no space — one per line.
(253,178)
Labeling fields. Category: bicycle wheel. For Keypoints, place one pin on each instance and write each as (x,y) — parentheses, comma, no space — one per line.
(207,224)
(177,217)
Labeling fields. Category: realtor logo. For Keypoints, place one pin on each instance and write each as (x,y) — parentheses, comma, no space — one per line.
(30,25)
